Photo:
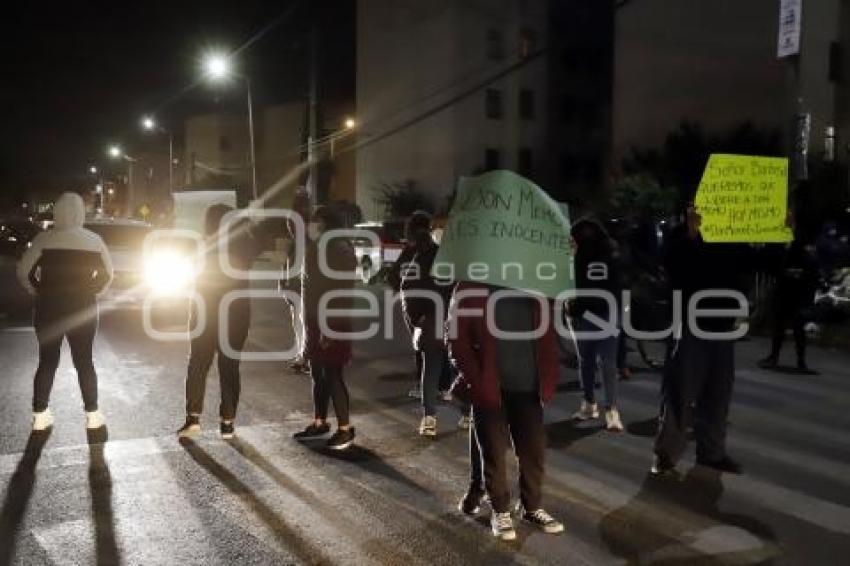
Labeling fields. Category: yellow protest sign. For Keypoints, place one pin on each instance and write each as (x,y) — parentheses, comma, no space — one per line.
(743,199)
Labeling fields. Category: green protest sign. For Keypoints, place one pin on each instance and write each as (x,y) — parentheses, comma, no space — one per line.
(743,199)
(506,231)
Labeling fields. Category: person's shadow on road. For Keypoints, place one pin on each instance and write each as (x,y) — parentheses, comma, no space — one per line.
(100,484)
(678,521)
(288,537)
(18,494)
(564,433)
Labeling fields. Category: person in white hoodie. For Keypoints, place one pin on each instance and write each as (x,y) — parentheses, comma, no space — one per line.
(65,269)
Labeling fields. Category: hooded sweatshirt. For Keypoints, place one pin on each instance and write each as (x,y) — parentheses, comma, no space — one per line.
(68,263)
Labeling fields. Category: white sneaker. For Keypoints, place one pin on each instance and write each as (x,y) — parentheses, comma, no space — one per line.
(586,412)
(428,427)
(612,420)
(465,422)
(446,396)
(42,421)
(502,526)
(95,420)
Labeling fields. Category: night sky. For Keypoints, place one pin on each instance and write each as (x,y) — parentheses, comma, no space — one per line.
(78,75)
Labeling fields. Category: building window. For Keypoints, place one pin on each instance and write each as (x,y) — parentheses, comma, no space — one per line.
(527,42)
(493,104)
(495,44)
(224,143)
(525,162)
(492,159)
(526,104)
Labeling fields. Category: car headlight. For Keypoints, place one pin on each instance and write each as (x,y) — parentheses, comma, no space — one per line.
(169,272)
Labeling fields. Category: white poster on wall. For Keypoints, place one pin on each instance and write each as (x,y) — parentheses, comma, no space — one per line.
(790,27)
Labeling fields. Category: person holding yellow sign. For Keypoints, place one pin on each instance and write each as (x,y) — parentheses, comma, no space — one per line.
(699,376)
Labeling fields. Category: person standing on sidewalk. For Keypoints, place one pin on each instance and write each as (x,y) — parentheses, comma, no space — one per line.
(212,285)
(65,269)
(699,375)
(596,270)
(507,380)
(327,356)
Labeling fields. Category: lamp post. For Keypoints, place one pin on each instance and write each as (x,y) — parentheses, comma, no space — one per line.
(217,69)
(115,152)
(149,124)
(98,188)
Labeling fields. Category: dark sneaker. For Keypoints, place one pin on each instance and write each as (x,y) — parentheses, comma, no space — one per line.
(313,431)
(341,439)
(190,428)
(227,430)
(662,466)
(769,362)
(725,464)
(543,521)
(802,366)
(471,502)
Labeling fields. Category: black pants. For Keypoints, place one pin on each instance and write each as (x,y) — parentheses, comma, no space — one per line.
(328,384)
(53,323)
(794,318)
(697,389)
(521,417)
(476,466)
(205,347)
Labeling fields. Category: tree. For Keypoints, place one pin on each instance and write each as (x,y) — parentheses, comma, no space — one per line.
(401,199)
(680,162)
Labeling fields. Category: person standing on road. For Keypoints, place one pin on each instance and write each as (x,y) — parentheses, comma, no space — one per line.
(327,356)
(596,270)
(425,316)
(796,283)
(65,269)
(507,380)
(212,285)
(699,375)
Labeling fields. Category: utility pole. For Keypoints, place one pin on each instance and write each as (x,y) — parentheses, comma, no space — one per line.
(313,116)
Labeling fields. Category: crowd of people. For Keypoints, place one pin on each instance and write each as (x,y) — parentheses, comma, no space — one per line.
(502,383)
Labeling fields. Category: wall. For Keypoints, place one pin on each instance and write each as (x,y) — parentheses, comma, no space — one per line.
(710,62)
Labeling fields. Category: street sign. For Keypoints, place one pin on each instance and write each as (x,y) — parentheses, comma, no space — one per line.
(790,28)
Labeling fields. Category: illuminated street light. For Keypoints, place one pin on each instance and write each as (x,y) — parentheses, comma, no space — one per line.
(217,69)
(115,152)
(93,170)
(217,66)
(350,123)
(149,124)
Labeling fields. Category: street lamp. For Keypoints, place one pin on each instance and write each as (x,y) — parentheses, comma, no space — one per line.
(350,123)
(150,124)
(218,69)
(115,152)
(93,170)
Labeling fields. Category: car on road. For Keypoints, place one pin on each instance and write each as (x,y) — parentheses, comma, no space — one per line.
(165,270)
(378,248)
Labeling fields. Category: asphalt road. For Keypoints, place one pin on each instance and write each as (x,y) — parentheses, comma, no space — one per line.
(135,495)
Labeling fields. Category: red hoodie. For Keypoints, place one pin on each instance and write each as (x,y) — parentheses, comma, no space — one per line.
(473,351)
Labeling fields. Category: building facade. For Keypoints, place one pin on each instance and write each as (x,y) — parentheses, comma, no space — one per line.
(715,64)
(447,89)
